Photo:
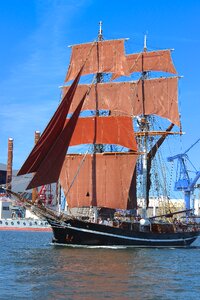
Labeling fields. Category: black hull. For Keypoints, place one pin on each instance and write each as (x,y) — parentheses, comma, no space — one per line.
(76,232)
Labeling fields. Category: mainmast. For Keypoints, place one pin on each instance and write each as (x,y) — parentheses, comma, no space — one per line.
(144,126)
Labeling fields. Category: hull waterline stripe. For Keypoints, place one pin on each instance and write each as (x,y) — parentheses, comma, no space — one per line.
(129,238)
(117,247)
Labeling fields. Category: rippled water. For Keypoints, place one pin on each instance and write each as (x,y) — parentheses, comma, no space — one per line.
(31,268)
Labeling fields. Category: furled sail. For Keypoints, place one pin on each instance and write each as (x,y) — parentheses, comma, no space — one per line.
(132,195)
(99,57)
(51,132)
(127,98)
(50,167)
(105,130)
(113,176)
(150,157)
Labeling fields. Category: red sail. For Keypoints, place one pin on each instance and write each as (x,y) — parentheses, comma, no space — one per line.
(127,98)
(161,98)
(105,130)
(151,61)
(51,132)
(50,167)
(113,177)
(99,57)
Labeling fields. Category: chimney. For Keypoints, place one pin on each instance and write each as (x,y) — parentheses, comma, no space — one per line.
(34,190)
(9,164)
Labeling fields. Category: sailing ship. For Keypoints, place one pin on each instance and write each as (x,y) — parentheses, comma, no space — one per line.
(109,115)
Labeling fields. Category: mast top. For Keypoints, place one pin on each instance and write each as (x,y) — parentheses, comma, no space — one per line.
(100,34)
(145,43)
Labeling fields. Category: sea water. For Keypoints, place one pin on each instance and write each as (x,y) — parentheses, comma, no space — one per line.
(32,268)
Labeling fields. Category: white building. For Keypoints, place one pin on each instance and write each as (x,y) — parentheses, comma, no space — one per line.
(5,208)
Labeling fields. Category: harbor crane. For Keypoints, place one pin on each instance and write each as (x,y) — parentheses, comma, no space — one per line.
(183,181)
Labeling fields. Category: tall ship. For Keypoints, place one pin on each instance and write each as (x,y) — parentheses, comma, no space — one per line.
(107,183)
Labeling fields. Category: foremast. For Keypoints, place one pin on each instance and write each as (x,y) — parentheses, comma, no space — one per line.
(97,148)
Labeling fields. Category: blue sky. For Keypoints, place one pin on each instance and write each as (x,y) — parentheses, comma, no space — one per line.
(34,57)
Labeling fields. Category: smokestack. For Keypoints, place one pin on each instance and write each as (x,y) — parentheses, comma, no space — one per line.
(37,136)
(9,164)
(34,190)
